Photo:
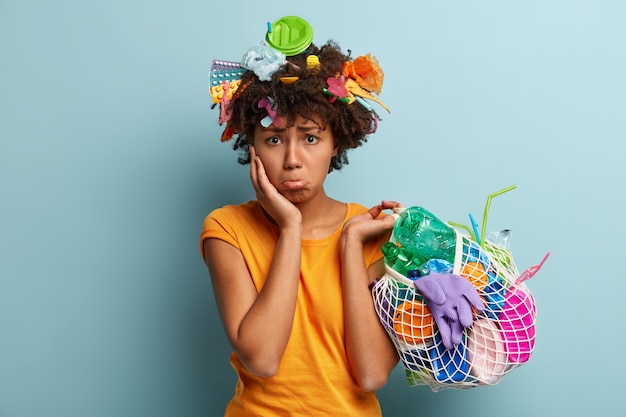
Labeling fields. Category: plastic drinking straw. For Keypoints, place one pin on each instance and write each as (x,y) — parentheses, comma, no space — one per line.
(497,193)
(475,228)
(464,227)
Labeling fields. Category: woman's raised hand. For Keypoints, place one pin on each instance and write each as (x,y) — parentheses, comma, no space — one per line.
(368,225)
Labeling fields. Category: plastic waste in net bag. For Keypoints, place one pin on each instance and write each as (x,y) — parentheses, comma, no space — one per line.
(501,336)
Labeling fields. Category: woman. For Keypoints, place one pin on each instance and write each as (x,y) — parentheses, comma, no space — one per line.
(291,270)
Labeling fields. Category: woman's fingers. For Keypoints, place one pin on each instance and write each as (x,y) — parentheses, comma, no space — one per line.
(391,205)
(254,169)
(384,205)
(260,181)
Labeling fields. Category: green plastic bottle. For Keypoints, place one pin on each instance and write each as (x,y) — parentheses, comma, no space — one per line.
(401,260)
(424,235)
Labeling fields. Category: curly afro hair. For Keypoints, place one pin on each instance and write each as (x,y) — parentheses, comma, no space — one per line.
(349,123)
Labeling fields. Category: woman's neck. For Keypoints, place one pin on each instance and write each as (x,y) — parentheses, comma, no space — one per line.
(321,218)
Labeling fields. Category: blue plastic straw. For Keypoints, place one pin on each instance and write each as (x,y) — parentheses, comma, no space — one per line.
(475,228)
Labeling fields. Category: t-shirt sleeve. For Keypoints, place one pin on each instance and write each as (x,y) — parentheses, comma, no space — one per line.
(216,225)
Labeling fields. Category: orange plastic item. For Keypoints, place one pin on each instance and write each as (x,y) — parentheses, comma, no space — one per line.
(356,90)
(366,71)
(413,322)
(289,80)
(475,273)
(217,92)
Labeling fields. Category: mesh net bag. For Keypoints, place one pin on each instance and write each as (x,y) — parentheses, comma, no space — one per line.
(501,338)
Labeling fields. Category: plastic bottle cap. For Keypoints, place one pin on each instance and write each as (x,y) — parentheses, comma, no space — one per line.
(413,274)
(290,35)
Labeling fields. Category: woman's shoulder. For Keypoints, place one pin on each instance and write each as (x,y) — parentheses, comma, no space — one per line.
(235,210)
(355,209)
(233,216)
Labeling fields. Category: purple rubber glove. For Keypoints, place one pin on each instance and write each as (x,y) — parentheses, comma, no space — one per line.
(450,299)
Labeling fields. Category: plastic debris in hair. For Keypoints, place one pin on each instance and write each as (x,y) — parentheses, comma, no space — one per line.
(272,114)
(355,90)
(263,60)
(336,89)
(222,73)
(313,63)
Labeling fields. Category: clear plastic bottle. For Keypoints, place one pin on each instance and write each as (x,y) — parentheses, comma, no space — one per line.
(425,235)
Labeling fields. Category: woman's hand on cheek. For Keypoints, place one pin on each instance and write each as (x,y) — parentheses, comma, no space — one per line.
(275,204)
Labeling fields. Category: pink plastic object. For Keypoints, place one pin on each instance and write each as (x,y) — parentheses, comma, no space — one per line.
(225,111)
(336,87)
(486,353)
(272,114)
(517,321)
(531,271)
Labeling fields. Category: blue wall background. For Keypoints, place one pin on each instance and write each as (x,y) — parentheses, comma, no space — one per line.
(110,159)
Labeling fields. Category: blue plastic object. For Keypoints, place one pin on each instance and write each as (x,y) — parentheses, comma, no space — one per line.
(449,365)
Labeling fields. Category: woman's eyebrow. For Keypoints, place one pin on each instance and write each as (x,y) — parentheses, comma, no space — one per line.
(308,128)
(300,128)
(274,129)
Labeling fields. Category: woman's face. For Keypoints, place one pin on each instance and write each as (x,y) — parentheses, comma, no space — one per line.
(296,158)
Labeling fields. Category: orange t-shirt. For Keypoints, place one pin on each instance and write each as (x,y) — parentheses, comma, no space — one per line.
(314,378)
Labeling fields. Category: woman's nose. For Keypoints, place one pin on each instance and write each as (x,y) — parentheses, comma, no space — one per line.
(292,156)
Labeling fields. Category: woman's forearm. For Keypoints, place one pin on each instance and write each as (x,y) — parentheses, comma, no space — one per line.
(264,331)
(371,353)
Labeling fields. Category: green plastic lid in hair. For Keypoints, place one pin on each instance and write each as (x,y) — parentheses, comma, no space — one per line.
(290,35)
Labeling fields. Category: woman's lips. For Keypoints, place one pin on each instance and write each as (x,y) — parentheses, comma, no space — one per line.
(294,185)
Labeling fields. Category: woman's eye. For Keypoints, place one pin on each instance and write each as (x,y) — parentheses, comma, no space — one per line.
(274,140)
(311,139)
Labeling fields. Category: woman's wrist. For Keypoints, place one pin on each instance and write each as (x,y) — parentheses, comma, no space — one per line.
(349,243)
(293,230)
